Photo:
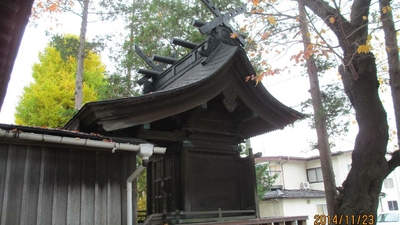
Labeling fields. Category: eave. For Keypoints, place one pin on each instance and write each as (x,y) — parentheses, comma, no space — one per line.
(189,90)
(14,16)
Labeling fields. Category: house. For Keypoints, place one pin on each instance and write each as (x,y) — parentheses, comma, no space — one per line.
(299,189)
(197,110)
(390,193)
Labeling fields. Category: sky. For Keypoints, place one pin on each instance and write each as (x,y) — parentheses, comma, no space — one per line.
(291,89)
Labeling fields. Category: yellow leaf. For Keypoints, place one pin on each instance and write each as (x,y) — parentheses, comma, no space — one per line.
(389,8)
(332,20)
(271,20)
(233,35)
(380,80)
(255,2)
(384,10)
(363,49)
(369,38)
(364,18)
(387,49)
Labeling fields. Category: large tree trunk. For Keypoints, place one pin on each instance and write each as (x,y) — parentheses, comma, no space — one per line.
(81,58)
(392,51)
(360,193)
(319,117)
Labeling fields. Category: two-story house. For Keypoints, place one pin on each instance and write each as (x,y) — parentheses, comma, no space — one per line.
(299,188)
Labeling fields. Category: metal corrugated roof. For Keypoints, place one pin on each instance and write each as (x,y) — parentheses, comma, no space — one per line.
(68,133)
(293,194)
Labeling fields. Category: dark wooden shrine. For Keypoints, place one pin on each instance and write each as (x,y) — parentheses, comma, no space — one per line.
(201,109)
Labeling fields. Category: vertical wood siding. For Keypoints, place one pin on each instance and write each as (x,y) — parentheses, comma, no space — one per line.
(44,185)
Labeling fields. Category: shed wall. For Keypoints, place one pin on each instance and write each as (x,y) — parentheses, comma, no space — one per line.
(45,185)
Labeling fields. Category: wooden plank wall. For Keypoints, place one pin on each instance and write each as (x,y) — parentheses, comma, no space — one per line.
(211,181)
(44,185)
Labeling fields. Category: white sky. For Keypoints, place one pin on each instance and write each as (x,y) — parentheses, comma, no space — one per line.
(290,89)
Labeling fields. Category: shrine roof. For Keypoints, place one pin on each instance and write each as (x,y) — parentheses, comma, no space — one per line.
(14,16)
(189,83)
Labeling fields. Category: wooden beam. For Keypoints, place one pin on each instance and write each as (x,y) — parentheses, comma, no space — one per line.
(211,146)
(160,135)
(244,116)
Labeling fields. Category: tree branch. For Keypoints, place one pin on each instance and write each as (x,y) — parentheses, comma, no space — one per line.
(271,14)
(393,162)
(359,9)
(332,48)
(324,11)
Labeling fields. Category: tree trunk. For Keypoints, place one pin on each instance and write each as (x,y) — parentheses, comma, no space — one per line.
(81,57)
(392,51)
(361,189)
(319,117)
(130,55)
(360,194)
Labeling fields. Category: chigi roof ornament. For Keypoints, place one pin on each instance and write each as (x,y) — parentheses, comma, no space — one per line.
(218,34)
(207,28)
(218,31)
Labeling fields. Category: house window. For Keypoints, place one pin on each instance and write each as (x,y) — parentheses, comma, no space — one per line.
(322,209)
(388,183)
(393,205)
(314,175)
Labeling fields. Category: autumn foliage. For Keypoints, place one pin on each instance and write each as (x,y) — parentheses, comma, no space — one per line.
(49,100)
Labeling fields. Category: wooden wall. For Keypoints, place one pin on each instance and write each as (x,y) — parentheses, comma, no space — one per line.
(211,181)
(45,185)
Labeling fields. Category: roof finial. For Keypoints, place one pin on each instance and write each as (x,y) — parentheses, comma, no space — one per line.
(206,28)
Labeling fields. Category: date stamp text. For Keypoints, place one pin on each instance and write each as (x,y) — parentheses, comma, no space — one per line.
(322,219)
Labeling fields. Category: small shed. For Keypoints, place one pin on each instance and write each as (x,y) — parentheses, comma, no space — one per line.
(52,176)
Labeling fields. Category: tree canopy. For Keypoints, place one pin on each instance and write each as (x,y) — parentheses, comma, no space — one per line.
(49,100)
(152,25)
(344,29)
